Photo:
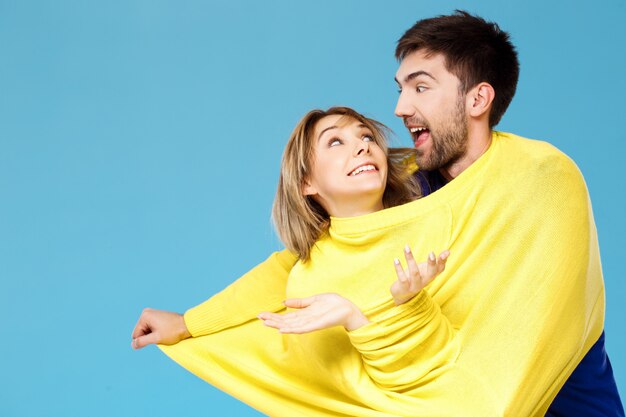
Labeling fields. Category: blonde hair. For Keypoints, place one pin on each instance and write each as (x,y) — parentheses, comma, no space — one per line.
(300,220)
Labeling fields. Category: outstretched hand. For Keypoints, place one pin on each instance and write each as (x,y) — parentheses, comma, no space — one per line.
(158,326)
(318,312)
(416,276)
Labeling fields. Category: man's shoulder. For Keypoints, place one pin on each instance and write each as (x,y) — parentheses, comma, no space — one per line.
(537,163)
(536,153)
(534,148)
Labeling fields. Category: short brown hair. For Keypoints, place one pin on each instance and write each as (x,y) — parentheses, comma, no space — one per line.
(475,51)
(299,220)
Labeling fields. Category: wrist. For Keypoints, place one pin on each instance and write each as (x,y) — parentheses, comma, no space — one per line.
(183,331)
(403,299)
(355,320)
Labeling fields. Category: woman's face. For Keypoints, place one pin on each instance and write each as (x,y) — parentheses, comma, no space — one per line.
(349,169)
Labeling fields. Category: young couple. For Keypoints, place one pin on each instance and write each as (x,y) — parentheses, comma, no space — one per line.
(511,324)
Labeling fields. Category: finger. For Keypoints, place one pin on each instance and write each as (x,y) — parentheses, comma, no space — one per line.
(274,317)
(441,262)
(280,320)
(142,327)
(140,330)
(266,315)
(272,323)
(286,324)
(304,327)
(299,302)
(400,271)
(410,263)
(142,341)
(431,266)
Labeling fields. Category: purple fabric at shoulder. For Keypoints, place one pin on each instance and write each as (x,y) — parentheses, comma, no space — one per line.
(430,181)
(591,390)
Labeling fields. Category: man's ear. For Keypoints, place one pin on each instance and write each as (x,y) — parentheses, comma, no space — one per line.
(479,99)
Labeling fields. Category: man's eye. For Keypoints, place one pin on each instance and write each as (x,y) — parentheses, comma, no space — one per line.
(420,88)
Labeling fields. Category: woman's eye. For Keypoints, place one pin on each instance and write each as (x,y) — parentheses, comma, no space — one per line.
(368,138)
(334,142)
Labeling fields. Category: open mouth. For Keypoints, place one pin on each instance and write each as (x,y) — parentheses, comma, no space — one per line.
(419,134)
(361,169)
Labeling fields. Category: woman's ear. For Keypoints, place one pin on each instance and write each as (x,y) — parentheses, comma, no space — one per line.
(308,188)
(479,99)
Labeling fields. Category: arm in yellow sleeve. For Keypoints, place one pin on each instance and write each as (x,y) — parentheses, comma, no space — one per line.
(539,311)
(261,289)
(551,307)
(398,339)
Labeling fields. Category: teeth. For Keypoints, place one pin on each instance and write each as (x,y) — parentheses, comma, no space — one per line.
(363,168)
(417,129)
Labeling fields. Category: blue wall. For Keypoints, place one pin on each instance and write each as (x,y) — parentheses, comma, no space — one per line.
(139,152)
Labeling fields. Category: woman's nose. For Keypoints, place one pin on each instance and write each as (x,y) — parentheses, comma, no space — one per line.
(362,147)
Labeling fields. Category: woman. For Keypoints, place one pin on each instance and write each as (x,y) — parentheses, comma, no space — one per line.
(336,166)
(337,176)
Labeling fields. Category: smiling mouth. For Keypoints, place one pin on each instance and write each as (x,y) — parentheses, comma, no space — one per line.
(419,134)
(361,169)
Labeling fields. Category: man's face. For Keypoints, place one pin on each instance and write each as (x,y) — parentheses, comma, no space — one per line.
(432,109)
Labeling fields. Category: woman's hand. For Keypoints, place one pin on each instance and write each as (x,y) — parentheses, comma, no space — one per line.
(158,326)
(416,276)
(316,313)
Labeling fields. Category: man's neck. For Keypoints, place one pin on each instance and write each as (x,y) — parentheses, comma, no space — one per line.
(478,142)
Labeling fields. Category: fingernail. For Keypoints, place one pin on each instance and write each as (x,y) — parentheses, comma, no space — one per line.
(396,261)
(407,249)
(431,256)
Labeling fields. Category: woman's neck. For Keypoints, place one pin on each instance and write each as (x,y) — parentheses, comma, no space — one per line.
(354,208)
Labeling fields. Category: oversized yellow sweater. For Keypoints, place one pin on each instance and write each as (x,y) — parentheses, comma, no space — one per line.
(498,333)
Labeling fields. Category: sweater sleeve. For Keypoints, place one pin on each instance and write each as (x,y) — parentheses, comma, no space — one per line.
(260,289)
(549,310)
(541,307)
(397,340)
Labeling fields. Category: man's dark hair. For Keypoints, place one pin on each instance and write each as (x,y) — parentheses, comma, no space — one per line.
(475,51)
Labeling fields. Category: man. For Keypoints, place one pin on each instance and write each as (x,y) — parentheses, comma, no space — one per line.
(442,63)
(457,76)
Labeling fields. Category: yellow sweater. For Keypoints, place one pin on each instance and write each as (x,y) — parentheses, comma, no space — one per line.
(498,333)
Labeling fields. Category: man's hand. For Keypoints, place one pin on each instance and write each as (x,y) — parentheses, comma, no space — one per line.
(416,276)
(158,326)
(318,312)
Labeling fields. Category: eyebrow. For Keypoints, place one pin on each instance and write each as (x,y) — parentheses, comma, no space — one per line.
(360,126)
(416,74)
(325,130)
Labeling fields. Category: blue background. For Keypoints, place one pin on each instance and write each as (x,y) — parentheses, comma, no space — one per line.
(139,152)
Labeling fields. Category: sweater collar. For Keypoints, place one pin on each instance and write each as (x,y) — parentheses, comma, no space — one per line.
(406,212)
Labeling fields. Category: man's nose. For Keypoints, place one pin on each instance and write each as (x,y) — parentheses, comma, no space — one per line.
(403,107)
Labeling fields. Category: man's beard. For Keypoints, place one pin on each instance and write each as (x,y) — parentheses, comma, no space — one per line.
(449,140)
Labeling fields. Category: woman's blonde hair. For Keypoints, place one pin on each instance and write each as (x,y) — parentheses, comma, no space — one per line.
(299,220)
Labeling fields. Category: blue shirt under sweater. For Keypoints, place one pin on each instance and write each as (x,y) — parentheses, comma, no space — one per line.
(591,390)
